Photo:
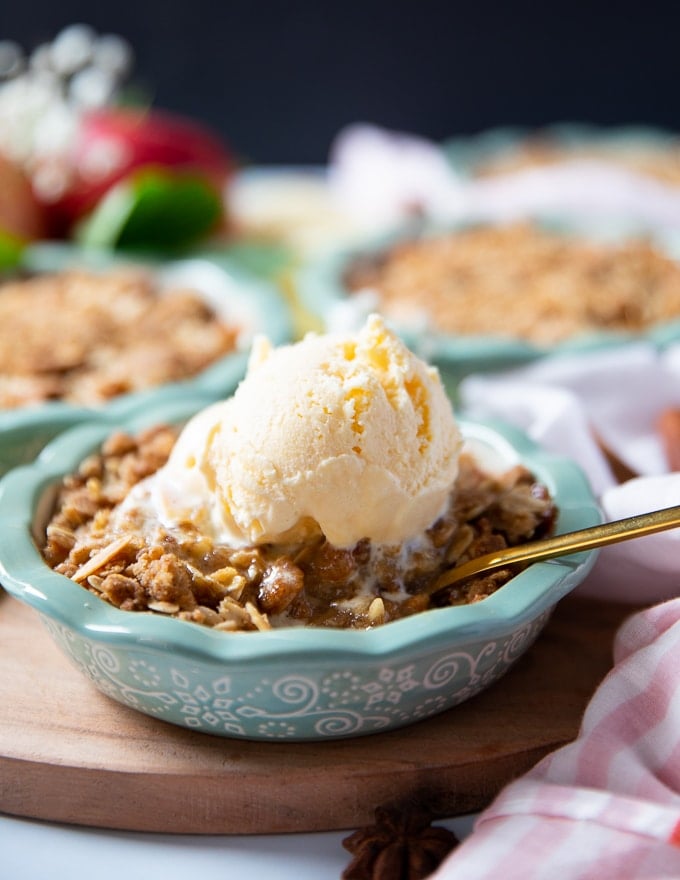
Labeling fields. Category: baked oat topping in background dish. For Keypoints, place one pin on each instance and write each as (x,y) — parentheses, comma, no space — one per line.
(84,337)
(658,158)
(521,281)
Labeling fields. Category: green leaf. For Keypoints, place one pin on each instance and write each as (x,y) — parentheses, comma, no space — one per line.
(10,250)
(153,209)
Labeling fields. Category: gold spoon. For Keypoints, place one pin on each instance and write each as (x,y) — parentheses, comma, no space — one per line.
(561,545)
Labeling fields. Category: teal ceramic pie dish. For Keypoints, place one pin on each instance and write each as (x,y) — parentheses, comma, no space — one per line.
(473,154)
(290,683)
(252,304)
(323,294)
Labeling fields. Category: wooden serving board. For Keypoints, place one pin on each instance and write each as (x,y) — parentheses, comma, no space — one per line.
(70,754)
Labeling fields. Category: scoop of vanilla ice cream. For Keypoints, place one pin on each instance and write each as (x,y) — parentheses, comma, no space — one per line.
(352,435)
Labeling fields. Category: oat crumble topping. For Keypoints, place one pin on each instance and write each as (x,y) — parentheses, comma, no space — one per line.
(184,574)
(662,163)
(84,337)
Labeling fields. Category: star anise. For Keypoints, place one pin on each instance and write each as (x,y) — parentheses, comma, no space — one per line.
(401,845)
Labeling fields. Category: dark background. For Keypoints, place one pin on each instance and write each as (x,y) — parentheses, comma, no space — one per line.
(278,80)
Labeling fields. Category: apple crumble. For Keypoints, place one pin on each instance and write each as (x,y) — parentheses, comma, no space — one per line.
(84,337)
(138,566)
(521,281)
(661,162)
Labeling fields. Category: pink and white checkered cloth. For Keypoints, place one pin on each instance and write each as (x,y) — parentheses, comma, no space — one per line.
(608,804)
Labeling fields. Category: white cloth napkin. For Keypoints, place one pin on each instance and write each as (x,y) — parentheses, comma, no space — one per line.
(379,177)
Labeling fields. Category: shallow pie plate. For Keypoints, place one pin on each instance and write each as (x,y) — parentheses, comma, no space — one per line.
(294,683)
(253,303)
(469,154)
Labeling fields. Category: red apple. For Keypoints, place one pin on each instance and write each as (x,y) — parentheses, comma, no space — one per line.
(114,142)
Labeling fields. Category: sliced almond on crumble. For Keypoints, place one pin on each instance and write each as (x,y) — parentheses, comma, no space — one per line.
(95,581)
(99,560)
(376,611)
(60,535)
(261,621)
(163,607)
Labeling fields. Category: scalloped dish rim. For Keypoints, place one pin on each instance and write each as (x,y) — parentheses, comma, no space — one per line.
(25,575)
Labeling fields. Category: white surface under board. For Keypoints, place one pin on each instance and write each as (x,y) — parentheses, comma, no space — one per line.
(32,850)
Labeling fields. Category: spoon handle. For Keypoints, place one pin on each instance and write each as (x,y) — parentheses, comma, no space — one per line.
(561,545)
